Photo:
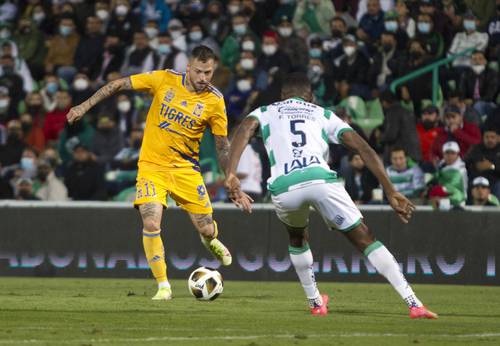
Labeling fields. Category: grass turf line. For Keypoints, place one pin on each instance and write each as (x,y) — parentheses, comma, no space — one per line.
(55,311)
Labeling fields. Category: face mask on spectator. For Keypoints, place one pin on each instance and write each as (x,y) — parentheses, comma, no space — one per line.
(387,47)
(269,49)
(428,124)
(315,53)
(391,26)
(248,45)
(336,33)
(151,32)
(233,9)
(164,49)
(349,50)
(285,31)
(247,64)
(469,25)
(38,17)
(80,84)
(195,36)
(102,14)
(424,27)
(478,69)
(27,164)
(121,10)
(314,73)
(4,103)
(124,106)
(240,29)
(243,85)
(4,33)
(65,30)
(52,87)
(175,34)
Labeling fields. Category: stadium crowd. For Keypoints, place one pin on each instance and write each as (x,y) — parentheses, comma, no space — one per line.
(54,54)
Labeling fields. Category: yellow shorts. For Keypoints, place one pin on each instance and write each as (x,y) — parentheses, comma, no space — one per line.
(185,186)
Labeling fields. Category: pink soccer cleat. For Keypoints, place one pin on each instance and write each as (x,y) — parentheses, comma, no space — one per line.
(322,309)
(422,312)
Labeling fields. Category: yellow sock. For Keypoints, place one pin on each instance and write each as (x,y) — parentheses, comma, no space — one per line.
(155,254)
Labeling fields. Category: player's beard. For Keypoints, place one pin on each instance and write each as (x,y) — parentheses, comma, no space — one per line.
(198,87)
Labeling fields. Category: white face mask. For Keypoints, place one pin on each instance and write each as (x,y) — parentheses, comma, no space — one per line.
(121,10)
(124,106)
(269,49)
(195,36)
(243,85)
(4,33)
(248,45)
(478,69)
(151,32)
(349,50)
(4,103)
(102,14)
(233,9)
(175,34)
(240,29)
(38,17)
(80,84)
(285,31)
(247,64)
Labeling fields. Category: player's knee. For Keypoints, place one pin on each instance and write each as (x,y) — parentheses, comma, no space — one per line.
(151,224)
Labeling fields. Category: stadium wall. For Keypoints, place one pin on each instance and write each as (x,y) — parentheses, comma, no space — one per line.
(104,240)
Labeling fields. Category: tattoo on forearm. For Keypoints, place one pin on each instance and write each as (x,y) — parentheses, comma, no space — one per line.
(202,220)
(108,90)
(222,146)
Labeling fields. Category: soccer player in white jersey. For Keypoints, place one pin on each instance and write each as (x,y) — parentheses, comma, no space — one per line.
(296,134)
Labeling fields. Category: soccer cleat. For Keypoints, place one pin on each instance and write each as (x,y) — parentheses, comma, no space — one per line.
(422,312)
(164,293)
(321,310)
(218,249)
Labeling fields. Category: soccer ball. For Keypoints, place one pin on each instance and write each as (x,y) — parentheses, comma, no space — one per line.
(205,283)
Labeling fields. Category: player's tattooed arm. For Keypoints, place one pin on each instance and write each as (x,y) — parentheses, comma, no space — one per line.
(398,202)
(107,90)
(222,147)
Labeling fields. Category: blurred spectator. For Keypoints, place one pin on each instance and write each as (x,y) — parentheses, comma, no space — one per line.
(248,65)
(456,129)
(81,88)
(8,11)
(12,150)
(123,22)
(215,23)
(493,30)
(452,175)
(19,66)
(399,128)
(197,36)
(47,186)
(371,23)
(32,135)
(359,181)
(405,174)
(126,159)
(481,193)
(230,52)
(272,56)
(6,191)
(84,177)
(8,109)
(479,85)
(29,160)
(428,130)
(323,91)
(111,58)
(90,47)
(222,76)
(391,24)
(313,17)
(79,133)
(249,171)
(240,97)
(333,46)
(469,38)
(126,115)
(387,63)
(24,190)
(140,57)
(441,23)
(285,8)
(62,47)
(168,56)
(405,21)
(10,79)
(156,10)
(55,120)
(468,112)
(484,159)
(294,46)
(177,31)
(353,68)
(107,141)
(51,84)
(43,21)
(101,11)
(432,41)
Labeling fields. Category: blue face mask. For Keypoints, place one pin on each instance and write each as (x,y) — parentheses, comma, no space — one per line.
(315,53)
(424,27)
(52,87)
(164,49)
(469,25)
(27,164)
(391,26)
(65,30)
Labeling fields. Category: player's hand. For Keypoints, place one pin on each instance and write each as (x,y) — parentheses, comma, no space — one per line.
(242,201)
(401,205)
(75,114)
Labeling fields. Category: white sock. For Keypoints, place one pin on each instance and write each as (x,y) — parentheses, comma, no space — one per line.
(386,264)
(302,261)
(164,284)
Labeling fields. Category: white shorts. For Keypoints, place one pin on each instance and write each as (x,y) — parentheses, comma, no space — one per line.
(330,200)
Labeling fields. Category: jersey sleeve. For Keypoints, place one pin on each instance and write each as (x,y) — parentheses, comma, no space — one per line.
(257,114)
(335,127)
(218,119)
(149,81)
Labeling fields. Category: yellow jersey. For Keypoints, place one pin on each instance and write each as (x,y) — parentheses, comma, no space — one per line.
(176,120)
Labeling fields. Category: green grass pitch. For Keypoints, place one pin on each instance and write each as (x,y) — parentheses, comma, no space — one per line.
(39,311)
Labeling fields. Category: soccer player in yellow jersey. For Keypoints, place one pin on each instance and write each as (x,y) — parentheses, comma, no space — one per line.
(183,105)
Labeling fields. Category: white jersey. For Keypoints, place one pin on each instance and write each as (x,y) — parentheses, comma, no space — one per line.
(296,135)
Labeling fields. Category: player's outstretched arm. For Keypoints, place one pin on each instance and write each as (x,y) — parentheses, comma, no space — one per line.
(111,88)
(401,205)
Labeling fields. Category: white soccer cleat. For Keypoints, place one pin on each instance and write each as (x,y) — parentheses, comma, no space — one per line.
(219,250)
(164,293)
